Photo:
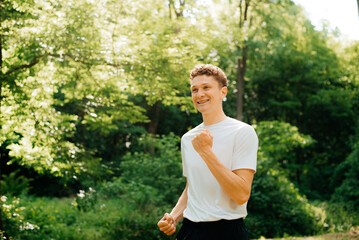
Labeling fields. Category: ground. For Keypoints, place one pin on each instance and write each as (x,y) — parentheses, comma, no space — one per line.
(353,234)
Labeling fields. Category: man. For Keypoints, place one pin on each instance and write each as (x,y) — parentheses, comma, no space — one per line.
(219,159)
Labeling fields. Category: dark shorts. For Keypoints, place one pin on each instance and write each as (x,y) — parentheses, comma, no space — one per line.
(217,230)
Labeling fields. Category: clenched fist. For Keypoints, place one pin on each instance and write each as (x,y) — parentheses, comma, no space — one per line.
(167,224)
(203,141)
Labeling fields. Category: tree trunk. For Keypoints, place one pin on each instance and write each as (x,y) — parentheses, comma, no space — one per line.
(154,112)
(152,127)
(241,71)
(81,114)
(241,61)
(178,12)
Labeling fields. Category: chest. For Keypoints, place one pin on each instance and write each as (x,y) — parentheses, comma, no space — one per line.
(223,145)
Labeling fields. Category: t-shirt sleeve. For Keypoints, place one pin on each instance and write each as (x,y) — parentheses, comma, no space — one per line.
(183,159)
(245,149)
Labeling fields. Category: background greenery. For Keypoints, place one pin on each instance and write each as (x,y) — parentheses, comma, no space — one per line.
(95,97)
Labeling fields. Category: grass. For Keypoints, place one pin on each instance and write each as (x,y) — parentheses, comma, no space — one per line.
(353,234)
(123,218)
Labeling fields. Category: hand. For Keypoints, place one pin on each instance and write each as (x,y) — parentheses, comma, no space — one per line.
(202,141)
(167,224)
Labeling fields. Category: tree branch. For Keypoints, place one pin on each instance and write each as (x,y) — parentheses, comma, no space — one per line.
(86,62)
(34,61)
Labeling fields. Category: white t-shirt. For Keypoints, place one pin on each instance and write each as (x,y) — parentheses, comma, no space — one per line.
(235,144)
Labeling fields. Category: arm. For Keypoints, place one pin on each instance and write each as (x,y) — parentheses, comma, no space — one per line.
(237,184)
(169,221)
(177,211)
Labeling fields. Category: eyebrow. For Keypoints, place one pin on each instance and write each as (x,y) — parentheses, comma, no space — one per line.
(193,86)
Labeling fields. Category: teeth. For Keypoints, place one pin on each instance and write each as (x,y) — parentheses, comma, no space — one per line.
(201,102)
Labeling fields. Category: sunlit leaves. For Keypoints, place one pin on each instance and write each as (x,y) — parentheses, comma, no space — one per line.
(278,139)
(38,131)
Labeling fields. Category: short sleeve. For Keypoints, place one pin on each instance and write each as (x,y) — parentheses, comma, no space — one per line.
(245,149)
(185,173)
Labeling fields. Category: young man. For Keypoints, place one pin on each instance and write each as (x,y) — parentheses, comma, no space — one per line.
(219,159)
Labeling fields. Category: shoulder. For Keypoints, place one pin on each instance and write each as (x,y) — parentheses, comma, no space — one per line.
(243,132)
(240,127)
(192,133)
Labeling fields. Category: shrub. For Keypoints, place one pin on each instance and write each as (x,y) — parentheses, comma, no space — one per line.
(86,200)
(12,213)
(50,218)
(15,185)
(348,174)
(337,217)
(159,167)
(276,207)
(131,192)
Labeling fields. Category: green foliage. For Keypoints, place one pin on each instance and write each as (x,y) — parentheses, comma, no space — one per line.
(81,81)
(348,173)
(128,207)
(13,217)
(276,207)
(107,219)
(297,75)
(131,192)
(86,200)
(114,218)
(14,185)
(143,173)
(284,147)
(331,119)
(337,216)
(279,139)
(157,166)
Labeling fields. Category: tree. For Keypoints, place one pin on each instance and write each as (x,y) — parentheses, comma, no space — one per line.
(242,59)
(14,61)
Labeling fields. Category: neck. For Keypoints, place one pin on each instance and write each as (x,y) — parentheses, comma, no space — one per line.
(213,118)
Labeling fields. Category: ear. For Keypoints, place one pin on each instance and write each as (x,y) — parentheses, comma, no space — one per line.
(224,91)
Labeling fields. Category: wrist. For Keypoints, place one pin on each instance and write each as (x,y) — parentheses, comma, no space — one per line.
(205,151)
(175,218)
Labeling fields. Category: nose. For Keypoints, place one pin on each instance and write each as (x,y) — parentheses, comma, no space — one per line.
(200,93)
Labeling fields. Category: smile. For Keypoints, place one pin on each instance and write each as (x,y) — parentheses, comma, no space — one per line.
(203,101)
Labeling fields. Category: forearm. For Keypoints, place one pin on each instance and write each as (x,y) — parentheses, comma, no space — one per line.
(177,211)
(236,186)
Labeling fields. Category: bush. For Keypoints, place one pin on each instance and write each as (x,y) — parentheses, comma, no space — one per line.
(131,192)
(159,168)
(348,174)
(276,208)
(86,200)
(12,213)
(128,207)
(15,185)
(337,216)
(50,218)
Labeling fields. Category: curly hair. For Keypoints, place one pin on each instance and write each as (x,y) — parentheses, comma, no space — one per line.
(209,70)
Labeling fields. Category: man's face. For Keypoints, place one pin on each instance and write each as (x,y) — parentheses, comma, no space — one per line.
(207,94)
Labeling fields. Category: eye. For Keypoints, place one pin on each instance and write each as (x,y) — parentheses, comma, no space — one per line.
(206,87)
(194,90)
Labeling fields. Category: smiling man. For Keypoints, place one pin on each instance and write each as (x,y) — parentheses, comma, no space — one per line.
(219,159)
